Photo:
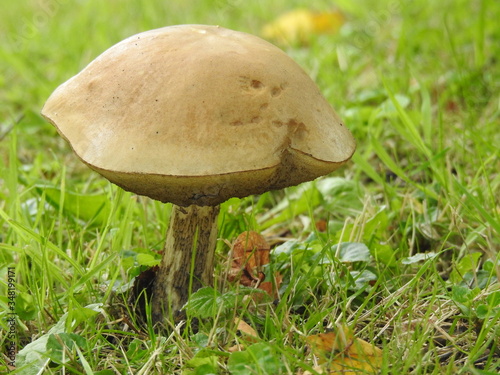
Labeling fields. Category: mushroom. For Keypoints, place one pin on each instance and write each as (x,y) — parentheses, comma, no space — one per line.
(194,115)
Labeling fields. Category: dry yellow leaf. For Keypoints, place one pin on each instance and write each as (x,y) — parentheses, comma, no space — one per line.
(342,353)
(297,26)
(328,22)
(248,335)
(246,329)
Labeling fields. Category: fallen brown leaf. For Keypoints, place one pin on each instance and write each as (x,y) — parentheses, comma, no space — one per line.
(249,255)
(321,225)
(246,329)
(342,353)
(248,335)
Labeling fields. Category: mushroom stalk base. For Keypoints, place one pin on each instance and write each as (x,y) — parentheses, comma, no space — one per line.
(188,259)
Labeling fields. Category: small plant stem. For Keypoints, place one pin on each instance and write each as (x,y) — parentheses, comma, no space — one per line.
(188,259)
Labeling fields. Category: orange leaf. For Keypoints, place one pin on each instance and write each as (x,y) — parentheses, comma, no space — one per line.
(250,254)
(321,225)
(272,287)
(342,353)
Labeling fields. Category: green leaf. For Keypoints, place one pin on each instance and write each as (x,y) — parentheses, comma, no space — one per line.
(493,299)
(492,307)
(482,311)
(200,339)
(259,358)
(58,343)
(206,302)
(339,194)
(80,315)
(463,296)
(361,279)
(33,357)
(147,260)
(135,353)
(89,208)
(377,225)
(331,186)
(26,308)
(388,108)
(480,279)
(203,363)
(468,263)
(383,253)
(488,265)
(460,294)
(352,252)
(418,257)
(286,248)
(205,369)
(375,237)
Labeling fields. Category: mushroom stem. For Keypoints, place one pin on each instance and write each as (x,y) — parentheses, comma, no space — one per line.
(188,259)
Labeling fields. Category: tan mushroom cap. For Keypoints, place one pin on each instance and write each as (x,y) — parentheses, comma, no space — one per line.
(195,114)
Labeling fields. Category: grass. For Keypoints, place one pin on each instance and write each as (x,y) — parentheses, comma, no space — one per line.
(417,82)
